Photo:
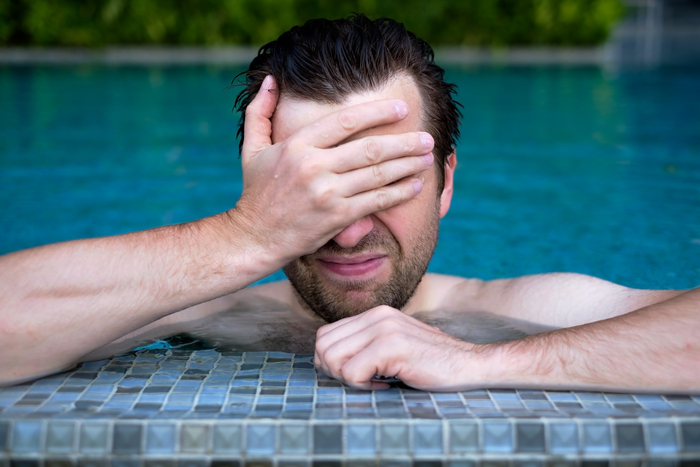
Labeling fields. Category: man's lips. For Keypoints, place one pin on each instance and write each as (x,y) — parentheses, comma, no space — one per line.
(353,266)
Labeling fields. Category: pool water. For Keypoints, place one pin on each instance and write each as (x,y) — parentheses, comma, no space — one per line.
(560,169)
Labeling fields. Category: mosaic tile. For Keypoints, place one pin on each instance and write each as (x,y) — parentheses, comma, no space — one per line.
(93,437)
(427,439)
(126,438)
(394,439)
(563,438)
(60,437)
(662,438)
(294,439)
(260,439)
(361,439)
(194,438)
(497,437)
(530,437)
(160,439)
(26,436)
(4,432)
(227,439)
(244,408)
(464,437)
(328,439)
(629,438)
(596,438)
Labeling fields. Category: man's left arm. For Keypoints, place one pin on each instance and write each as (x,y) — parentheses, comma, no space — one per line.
(651,348)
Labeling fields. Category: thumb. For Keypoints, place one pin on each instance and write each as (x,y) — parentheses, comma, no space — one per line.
(257,134)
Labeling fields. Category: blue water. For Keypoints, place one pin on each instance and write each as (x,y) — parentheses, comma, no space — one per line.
(560,169)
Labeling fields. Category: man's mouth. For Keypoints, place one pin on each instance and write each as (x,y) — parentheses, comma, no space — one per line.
(359,266)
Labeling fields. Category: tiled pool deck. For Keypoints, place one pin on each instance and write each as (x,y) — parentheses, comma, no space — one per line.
(170,407)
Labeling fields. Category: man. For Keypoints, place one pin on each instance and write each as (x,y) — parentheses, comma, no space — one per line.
(348,165)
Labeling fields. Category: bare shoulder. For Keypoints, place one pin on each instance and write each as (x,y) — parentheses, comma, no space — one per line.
(564,299)
(442,291)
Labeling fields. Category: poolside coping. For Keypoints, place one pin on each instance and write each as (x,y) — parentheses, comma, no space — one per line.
(159,407)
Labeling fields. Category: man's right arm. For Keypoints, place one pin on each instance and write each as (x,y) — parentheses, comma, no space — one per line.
(60,302)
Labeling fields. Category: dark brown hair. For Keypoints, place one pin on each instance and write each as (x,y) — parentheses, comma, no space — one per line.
(327,60)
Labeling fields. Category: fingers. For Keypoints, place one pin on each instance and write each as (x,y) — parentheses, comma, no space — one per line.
(336,127)
(380,199)
(354,349)
(380,175)
(258,127)
(373,150)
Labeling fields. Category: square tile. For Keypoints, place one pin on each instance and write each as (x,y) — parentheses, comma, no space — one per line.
(4,432)
(26,436)
(93,437)
(260,439)
(530,437)
(194,438)
(498,437)
(60,437)
(394,439)
(563,438)
(126,438)
(691,436)
(629,437)
(464,437)
(160,439)
(227,438)
(328,439)
(294,439)
(596,438)
(427,438)
(361,439)
(662,438)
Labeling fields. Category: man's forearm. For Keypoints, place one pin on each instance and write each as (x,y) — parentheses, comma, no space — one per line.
(62,301)
(655,348)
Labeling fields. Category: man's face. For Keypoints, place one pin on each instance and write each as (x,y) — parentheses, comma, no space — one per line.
(381,258)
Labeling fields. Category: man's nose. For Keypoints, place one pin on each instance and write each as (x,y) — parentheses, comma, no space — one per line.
(353,233)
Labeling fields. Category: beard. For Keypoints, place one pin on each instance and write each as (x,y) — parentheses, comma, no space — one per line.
(333,299)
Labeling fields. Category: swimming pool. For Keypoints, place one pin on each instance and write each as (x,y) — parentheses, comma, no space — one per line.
(560,169)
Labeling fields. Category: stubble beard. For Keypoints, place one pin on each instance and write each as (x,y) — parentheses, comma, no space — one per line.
(342,299)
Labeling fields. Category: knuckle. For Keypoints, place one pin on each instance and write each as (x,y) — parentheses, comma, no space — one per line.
(371,150)
(347,120)
(379,175)
(292,146)
(383,310)
(323,195)
(382,200)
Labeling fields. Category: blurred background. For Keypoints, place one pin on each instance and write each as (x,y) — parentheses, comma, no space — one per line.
(646,30)
(97,23)
(580,147)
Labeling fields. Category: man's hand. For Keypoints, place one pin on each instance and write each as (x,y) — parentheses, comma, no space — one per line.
(384,341)
(299,193)
(652,349)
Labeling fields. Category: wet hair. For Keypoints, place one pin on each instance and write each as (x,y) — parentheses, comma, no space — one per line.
(327,60)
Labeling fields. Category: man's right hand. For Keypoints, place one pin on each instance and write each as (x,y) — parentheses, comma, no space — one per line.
(299,193)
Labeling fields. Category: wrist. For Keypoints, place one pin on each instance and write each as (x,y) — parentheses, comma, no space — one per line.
(248,250)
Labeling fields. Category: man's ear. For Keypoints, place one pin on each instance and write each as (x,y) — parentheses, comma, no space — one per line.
(446,196)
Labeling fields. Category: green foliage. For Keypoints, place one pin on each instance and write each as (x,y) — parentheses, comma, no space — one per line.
(93,23)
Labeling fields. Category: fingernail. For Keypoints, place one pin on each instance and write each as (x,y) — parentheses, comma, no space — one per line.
(267,83)
(428,159)
(427,140)
(401,108)
(417,185)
